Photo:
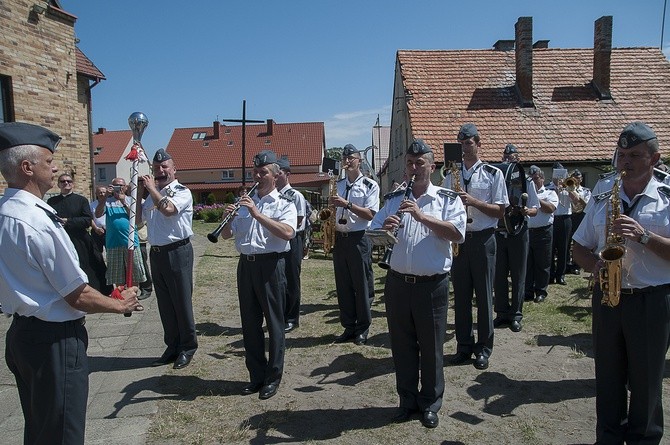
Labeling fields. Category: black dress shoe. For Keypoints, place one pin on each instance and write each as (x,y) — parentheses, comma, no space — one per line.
(430,419)
(361,339)
(459,358)
(290,326)
(345,337)
(182,361)
(561,281)
(403,414)
(165,359)
(500,322)
(515,326)
(540,298)
(268,391)
(481,362)
(251,388)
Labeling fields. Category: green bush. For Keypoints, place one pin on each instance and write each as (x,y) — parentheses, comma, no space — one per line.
(211,199)
(229,198)
(212,214)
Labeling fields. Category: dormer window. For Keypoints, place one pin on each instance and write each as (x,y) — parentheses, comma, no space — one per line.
(267,142)
(230,143)
(199,135)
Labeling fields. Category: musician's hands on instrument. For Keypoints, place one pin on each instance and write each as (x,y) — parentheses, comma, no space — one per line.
(411,207)
(148,182)
(337,201)
(246,201)
(391,223)
(627,227)
(467,199)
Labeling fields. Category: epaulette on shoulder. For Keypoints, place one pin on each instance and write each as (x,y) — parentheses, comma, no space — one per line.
(179,187)
(660,174)
(607,175)
(394,194)
(665,190)
(448,193)
(290,193)
(603,195)
(286,197)
(491,169)
(368,183)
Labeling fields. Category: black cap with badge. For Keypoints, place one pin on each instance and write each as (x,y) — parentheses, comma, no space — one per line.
(635,133)
(467,131)
(161,155)
(265,157)
(418,147)
(284,164)
(510,149)
(349,149)
(13,134)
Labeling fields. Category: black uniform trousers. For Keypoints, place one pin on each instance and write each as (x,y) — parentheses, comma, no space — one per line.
(473,269)
(49,362)
(511,258)
(261,290)
(417,317)
(293,268)
(560,246)
(172,273)
(352,260)
(630,342)
(539,261)
(146,285)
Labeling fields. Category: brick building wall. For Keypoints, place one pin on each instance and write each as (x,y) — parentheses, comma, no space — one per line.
(37,53)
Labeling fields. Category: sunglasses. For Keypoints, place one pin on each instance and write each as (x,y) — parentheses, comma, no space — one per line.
(65,181)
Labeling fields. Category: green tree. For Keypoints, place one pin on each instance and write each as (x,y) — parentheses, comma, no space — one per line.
(334,153)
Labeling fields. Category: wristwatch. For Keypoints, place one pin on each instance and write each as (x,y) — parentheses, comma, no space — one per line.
(644,238)
(349,204)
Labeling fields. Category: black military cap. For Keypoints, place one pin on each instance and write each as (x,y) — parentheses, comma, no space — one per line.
(635,133)
(284,164)
(534,169)
(13,134)
(161,155)
(349,149)
(557,165)
(265,157)
(510,149)
(467,131)
(418,147)
(576,173)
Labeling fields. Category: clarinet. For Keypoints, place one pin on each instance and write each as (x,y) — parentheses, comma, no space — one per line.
(214,236)
(385,263)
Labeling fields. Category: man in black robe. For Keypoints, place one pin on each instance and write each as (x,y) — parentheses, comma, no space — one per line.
(75,213)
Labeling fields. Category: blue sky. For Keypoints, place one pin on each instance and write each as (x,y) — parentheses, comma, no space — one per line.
(185,64)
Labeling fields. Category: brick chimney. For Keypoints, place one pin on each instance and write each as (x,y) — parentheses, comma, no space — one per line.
(602,56)
(269,124)
(101,130)
(216,128)
(523,32)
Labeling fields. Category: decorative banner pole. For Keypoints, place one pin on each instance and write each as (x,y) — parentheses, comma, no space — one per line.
(137,123)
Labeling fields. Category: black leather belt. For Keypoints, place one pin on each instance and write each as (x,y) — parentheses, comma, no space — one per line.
(262,256)
(645,290)
(81,321)
(349,234)
(485,232)
(413,279)
(171,246)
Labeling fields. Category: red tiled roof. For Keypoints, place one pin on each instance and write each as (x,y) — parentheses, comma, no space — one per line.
(298,180)
(86,67)
(303,143)
(568,123)
(113,144)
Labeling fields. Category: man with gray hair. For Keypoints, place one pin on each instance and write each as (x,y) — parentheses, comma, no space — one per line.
(45,291)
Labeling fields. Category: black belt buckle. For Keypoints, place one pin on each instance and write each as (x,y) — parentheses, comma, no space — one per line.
(627,291)
(344,234)
(251,258)
(411,279)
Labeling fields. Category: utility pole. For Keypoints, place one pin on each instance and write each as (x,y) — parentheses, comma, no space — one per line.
(244,121)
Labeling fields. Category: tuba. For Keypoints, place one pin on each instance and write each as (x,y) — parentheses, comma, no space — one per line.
(327,215)
(614,250)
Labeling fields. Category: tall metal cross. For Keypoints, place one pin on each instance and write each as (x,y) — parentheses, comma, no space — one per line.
(244,121)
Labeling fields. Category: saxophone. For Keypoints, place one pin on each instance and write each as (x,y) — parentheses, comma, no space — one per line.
(614,250)
(327,215)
